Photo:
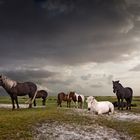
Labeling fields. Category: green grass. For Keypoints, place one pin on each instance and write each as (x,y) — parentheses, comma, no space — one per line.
(19,124)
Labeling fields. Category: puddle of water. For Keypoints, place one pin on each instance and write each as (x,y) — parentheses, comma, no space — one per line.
(20,105)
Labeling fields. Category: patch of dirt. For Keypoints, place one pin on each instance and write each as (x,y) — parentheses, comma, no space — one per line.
(125,116)
(61,131)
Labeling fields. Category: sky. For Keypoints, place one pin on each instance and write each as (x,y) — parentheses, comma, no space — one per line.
(71,45)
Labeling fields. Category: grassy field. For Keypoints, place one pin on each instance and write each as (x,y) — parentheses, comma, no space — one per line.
(19,124)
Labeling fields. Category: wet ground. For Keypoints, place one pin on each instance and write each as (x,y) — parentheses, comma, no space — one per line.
(21,106)
(61,131)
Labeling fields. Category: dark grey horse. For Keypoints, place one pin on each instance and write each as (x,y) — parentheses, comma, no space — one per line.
(122,93)
(15,89)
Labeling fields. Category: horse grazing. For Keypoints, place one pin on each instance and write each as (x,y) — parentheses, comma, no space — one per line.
(62,97)
(99,107)
(77,98)
(15,89)
(122,93)
(42,94)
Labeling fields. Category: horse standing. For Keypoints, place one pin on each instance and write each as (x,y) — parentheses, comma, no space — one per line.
(122,93)
(99,107)
(15,89)
(42,94)
(62,97)
(77,98)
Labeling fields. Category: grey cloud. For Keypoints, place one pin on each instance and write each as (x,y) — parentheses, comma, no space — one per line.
(86,77)
(136,68)
(98,85)
(110,78)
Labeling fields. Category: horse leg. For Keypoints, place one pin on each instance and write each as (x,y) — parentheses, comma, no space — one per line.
(76,104)
(60,103)
(44,101)
(81,105)
(13,103)
(69,103)
(34,102)
(30,103)
(129,103)
(16,99)
(121,104)
(118,103)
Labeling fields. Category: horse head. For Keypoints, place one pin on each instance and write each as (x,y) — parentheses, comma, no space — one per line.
(4,80)
(2,77)
(89,101)
(115,86)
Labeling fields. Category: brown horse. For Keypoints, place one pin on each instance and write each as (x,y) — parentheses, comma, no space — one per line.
(77,98)
(42,94)
(62,97)
(15,89)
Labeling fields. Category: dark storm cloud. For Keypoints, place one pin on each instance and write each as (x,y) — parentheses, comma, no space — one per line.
(64,31)
(28,75)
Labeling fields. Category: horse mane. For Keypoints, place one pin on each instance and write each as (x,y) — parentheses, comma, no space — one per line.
(8,82)
(120,84)
(94,100)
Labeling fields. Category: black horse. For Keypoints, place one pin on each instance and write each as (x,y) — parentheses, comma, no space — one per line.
(123,93)
(42,94)
(15,89)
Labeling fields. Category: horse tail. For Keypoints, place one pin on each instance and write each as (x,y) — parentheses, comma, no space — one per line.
(34,96)
(131,93)
(31,100)
(130,90)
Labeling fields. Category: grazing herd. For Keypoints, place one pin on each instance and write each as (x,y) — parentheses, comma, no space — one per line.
(15,89)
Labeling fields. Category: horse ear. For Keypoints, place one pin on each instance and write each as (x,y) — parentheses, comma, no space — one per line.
(118,81)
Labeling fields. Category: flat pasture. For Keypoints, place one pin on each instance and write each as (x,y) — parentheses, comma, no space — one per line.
(52,122)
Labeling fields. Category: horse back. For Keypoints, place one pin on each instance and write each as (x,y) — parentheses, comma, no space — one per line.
(25,88)
(60,96)
(41,93)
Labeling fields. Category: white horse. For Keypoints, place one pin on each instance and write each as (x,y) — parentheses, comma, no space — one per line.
(99,107)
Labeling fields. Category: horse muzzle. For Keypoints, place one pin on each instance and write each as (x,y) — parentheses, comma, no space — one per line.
(114,91)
